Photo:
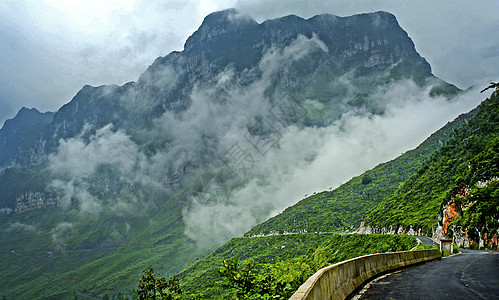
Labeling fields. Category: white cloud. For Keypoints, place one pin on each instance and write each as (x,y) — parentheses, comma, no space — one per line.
(18,226)
(60,232)
(314,159)
(76,158)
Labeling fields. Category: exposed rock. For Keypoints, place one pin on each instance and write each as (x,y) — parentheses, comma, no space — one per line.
(367,229)
(450,211)
(6,211)
(34,200)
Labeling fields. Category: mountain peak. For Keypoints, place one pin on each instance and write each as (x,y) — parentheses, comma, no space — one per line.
(220,17)
(218,23)
(30,116)
(24,110)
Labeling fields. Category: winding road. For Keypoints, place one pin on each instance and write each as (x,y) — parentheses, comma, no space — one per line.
(467,275)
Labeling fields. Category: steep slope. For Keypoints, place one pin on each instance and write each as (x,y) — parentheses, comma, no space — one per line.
(145,173)
(460,179)
(321,53)
(454,169)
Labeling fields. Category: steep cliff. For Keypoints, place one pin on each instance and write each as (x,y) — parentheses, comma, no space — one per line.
(254,77)
(311,58)
(18,135)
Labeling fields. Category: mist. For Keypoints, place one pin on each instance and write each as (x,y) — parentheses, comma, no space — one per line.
(312,160)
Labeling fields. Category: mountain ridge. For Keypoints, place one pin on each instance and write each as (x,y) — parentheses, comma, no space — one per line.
(162,96)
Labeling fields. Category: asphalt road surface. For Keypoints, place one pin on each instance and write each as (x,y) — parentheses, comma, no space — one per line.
(468,275)
(426,240)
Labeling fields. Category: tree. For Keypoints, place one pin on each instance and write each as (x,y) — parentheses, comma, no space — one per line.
(153,287)
(241,277)
(252,281)
(493,85)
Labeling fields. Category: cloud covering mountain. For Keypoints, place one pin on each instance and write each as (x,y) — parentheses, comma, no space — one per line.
(293,107)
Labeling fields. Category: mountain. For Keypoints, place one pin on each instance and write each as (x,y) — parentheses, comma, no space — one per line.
(310,59)
(21,132)
(164,169)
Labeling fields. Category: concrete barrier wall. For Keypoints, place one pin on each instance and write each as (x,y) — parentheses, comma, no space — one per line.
(341,279)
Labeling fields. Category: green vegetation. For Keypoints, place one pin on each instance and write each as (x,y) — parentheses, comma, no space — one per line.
(470,157)
(202,276)
(481,216)
(423,246)
(16,181)
(274,267)
(64,253)
(153,286)
(269,281)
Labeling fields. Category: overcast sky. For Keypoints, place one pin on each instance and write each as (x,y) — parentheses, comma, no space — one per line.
(49,49)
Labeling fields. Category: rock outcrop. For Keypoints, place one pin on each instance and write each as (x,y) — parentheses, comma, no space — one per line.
(34,200)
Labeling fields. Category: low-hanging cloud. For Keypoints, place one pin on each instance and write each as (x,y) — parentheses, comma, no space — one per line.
(311,160)
(18,226)
(105,146)
(81,165)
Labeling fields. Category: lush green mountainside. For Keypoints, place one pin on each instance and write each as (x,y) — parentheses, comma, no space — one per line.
(463,152)
(59,254)
(469,160)
(202,277)
(343,209)
(299,253)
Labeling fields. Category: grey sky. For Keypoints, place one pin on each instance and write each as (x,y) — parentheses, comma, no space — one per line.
(51,48)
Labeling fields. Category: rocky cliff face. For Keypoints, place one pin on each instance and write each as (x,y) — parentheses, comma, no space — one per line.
(34,200)
(367,229)
(19,136)
(454,208)
(449,212)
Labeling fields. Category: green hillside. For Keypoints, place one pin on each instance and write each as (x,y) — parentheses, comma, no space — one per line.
(469,160)
(293,256)
(94,256)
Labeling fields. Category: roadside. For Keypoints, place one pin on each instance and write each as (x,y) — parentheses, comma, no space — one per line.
(469,275)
